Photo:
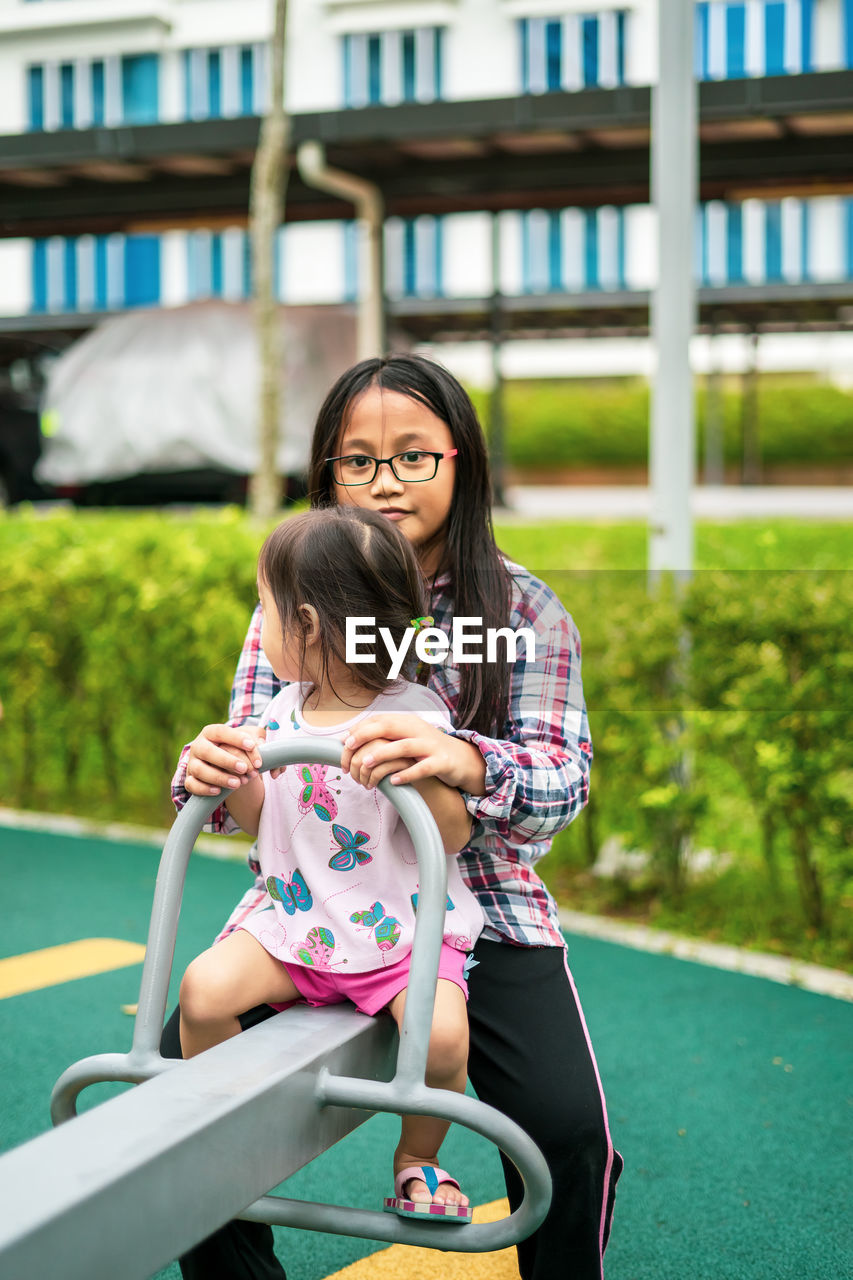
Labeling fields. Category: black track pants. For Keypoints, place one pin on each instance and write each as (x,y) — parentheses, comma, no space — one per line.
(531,1059)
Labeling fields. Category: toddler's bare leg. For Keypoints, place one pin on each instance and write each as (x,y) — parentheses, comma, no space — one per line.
(234,975)
(447,1068)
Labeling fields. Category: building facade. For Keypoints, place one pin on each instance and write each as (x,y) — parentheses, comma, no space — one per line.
(78,64)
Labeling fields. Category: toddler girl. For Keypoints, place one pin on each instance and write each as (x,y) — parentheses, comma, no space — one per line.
(338,862)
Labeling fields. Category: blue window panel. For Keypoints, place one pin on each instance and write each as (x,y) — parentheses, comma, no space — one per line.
(774,37)
(140,88)
(141,271)
(439,256)
(188,88)
(620,47)
(804,239)
(524,47)
(66,95)
(700,41)
(247,83)
(773,240)
(526,266)
(806,28)
(374,69)
(620,250)
(589,50)
(69,273)
(736,40)
(847,33)
(247,265)
(346,59)
(408,52)
(734,244)
(97,82)
(409,258)
(39,275)
(555,254)
(214,84)
(100,272)
(553,54)
(216,264)
(849,236)
(438,63)
(35,97)
(591,275)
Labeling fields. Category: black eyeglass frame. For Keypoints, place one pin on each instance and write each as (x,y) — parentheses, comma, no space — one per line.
(377,463)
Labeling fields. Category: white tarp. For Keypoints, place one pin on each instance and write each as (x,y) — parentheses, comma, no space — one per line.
(177,389)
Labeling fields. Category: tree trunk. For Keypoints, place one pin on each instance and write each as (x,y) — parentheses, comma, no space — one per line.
(266,214)
(808,879)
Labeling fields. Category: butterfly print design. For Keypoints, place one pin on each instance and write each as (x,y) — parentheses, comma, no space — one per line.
(294,895)
(351,853)
(385,929)
(315,794)
(317,950)
(451,905)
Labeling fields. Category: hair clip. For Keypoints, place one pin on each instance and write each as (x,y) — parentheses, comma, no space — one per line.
(420,624)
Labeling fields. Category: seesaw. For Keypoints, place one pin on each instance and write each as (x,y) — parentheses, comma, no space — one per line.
(134,1182)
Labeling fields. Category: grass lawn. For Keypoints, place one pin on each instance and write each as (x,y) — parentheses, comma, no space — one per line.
(748,544)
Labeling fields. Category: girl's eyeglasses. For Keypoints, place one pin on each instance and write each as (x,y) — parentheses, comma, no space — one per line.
(411,467)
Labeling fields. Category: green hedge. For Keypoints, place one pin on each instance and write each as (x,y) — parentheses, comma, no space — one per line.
(720,715)
(606,422)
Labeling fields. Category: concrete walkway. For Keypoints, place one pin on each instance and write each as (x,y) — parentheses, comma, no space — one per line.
(711,502)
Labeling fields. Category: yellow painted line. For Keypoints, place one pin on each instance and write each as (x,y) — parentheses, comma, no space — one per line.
(52,965)
(404,1262)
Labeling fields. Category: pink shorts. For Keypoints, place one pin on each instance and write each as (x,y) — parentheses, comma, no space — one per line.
(371,991)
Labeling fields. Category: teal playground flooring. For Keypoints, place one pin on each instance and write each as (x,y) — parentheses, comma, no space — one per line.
(729,1096)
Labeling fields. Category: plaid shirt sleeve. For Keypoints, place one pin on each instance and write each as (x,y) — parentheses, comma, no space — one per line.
(254,687)
(537,778)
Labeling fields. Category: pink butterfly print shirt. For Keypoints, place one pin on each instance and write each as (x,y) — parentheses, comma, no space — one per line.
(337,860)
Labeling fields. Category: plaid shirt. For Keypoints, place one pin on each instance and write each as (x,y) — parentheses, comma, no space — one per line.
(537,776)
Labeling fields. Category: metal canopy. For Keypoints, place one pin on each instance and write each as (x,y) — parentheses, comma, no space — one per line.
(757,136)
(742,308)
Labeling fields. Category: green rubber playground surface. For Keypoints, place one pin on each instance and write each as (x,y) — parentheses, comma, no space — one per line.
(730,1097)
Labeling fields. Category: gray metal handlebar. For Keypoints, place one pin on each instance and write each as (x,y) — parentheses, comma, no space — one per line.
(405,1093)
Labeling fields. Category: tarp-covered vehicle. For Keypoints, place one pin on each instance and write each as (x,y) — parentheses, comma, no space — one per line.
(155,406)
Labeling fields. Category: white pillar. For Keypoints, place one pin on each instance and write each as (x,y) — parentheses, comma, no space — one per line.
(672,443)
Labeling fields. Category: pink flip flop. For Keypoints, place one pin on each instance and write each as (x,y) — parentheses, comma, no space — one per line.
(458,1213)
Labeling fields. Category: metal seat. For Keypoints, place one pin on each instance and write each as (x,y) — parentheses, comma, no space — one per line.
(157,1152)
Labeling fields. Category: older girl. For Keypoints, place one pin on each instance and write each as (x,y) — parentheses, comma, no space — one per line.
(520,753)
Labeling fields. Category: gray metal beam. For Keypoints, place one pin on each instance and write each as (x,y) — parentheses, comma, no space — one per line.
(127,1186)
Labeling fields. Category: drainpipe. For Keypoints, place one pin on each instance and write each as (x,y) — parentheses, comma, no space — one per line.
(369,209)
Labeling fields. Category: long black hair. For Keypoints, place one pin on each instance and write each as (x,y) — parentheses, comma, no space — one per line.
(479,580)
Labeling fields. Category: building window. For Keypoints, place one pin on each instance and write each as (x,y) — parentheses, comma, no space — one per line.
(572,250)
(77,95)
(139,88)
(224,82)
(757,241)
(35,97)
(414,257)
(576,51)
(735,39)
(95,273)
(389,67)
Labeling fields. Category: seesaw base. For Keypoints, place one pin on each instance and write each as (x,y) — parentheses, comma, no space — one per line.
(127,1186)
